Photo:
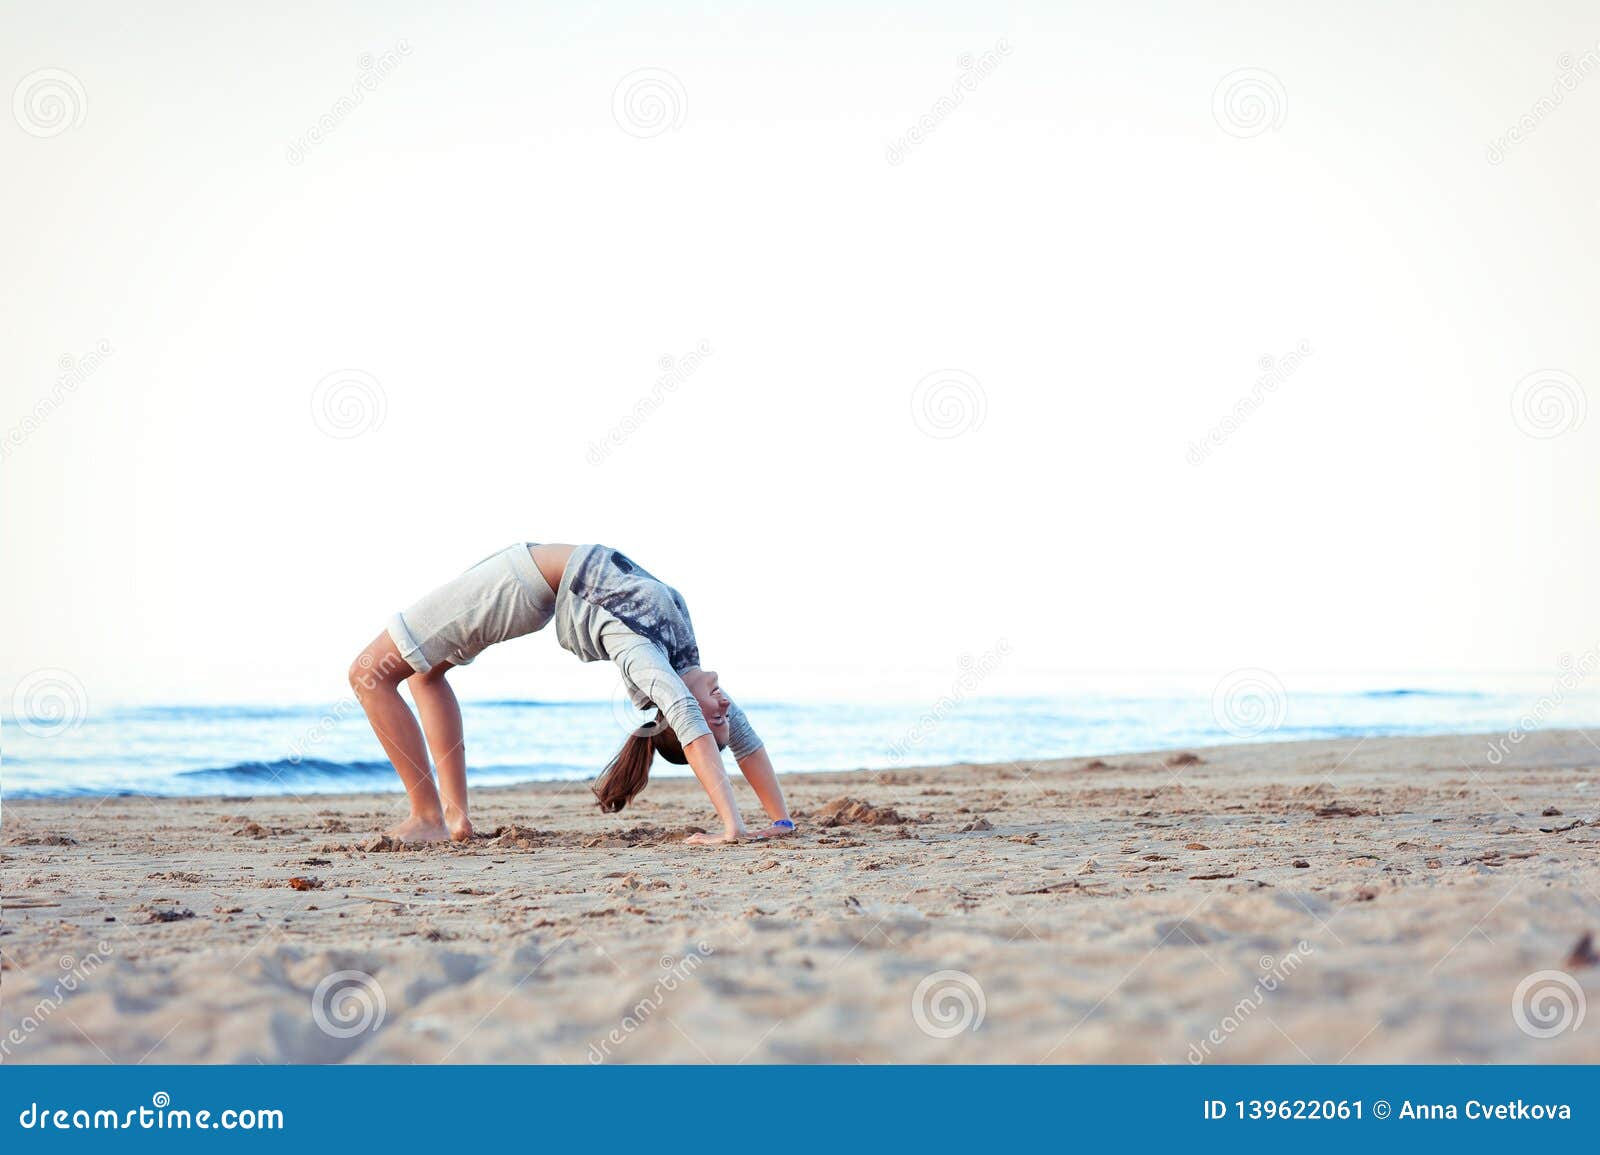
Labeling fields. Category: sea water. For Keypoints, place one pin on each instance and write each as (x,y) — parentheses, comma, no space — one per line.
(328,748)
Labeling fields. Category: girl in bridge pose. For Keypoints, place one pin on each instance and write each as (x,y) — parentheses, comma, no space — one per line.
(604,606)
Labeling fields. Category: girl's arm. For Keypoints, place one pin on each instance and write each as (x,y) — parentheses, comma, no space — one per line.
(706,760)
(645,666)
(757,770)
(756,766)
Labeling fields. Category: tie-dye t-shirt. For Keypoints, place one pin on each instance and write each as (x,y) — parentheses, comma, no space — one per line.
(611,608)
(599,578)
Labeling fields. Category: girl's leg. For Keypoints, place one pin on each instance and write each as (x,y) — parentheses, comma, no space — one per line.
(441,722)
(375,676)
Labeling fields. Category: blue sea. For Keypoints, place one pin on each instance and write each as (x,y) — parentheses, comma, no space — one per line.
(328,748)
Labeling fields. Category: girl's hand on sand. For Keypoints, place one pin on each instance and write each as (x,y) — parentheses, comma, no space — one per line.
(701,838)
(774,831)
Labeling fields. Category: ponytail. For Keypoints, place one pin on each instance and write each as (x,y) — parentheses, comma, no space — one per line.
(628,772)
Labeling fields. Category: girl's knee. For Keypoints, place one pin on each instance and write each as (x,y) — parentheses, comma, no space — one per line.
(361,676)
(378,667)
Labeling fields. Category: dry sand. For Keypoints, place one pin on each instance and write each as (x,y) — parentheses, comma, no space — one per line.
(1134,909)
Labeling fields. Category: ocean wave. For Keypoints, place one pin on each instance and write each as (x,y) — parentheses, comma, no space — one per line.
(323,772)
(287,769)
(1415,693)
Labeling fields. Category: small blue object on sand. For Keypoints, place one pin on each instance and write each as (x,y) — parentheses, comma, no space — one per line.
(784,822)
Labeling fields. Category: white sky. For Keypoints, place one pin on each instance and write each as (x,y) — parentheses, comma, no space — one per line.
(1080,235)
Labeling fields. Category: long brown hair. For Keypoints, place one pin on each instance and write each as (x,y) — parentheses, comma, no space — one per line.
(628,772)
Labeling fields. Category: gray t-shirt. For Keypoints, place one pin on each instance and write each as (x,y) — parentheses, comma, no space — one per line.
(610,607)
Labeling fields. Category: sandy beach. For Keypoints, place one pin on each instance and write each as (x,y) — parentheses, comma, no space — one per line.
(1357,901)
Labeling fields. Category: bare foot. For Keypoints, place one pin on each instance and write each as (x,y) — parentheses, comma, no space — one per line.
(461,831)
(416,829)
(701,838)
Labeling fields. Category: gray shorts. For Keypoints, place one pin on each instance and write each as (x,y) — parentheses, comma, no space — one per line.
(503,596)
